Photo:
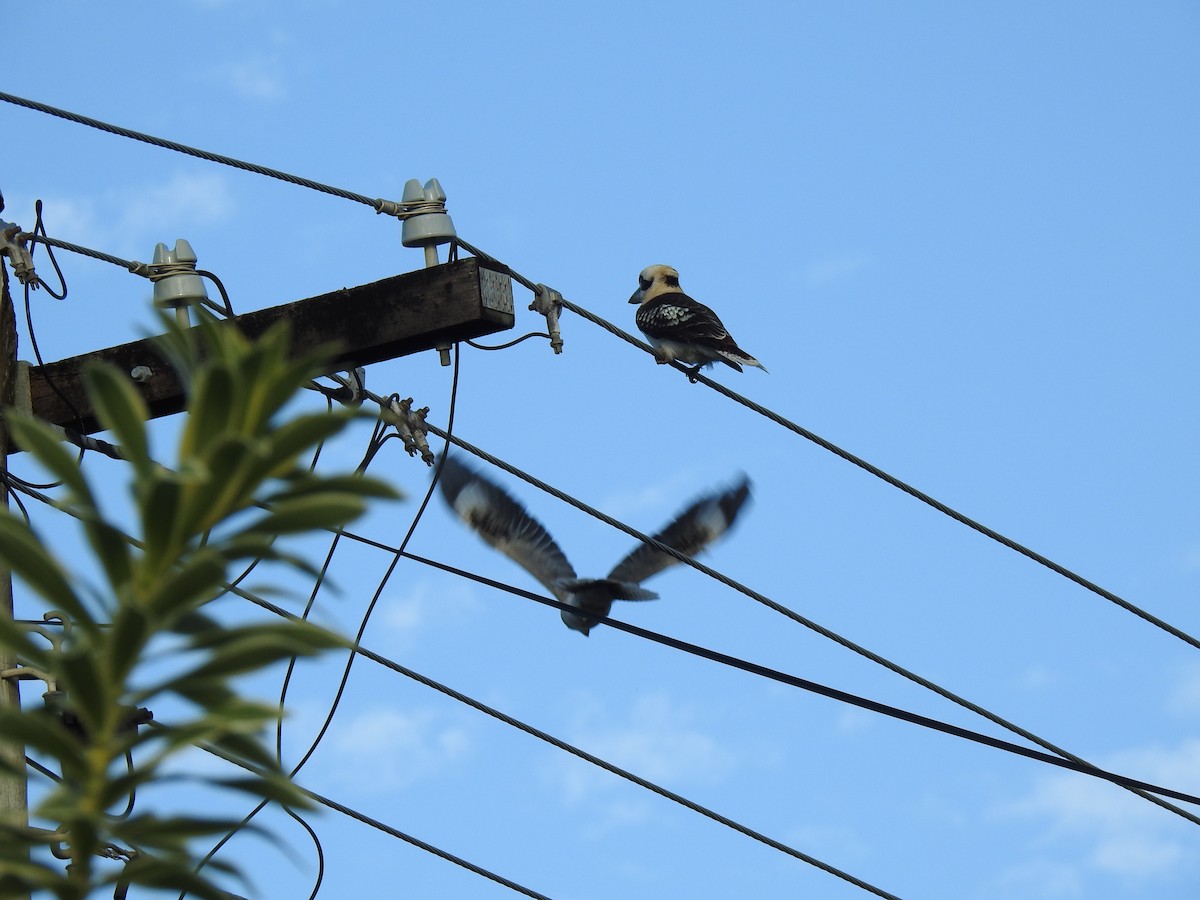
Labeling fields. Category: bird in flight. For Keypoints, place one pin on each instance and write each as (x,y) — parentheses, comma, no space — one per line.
(504,524)
(679,327)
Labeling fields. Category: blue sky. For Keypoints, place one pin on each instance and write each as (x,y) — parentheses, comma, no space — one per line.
(962,239)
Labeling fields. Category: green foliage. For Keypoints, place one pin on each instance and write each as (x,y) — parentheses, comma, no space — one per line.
(235,487)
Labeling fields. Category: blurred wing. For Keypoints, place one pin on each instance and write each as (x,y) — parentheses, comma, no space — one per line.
(689,533)
(503,522)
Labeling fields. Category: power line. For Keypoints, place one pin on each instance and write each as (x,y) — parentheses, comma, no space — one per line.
(1079,764)
(377,204)
(385,828)
(580,753)
(856,460)
(795,616)
(730,394)
(381,205)
(376,440)
(826,691)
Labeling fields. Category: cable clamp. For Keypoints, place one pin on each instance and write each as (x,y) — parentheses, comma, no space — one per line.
(12,245)
(410,426)
(351,390)
(548,302)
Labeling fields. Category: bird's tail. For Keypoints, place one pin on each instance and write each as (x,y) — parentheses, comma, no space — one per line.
(738,358)
(606,587)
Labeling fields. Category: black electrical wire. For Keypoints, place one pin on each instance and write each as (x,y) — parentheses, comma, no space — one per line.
(386,829)
(184,148)
(1066,755)
(576,751)
(377,439)
(858,461)
(826,691)
(795,616)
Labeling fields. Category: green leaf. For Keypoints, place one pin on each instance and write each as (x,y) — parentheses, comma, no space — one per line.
(41,732)
(29,559)
(176,875)
(181,591)
(131,631)
(305,484)
(278,789)
(159,499)
(210,406)
(51,451)
(121,410)
(309,512)
(112,549)
(23,645)
(92,695)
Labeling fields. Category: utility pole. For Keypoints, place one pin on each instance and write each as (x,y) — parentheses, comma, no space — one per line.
(14,797)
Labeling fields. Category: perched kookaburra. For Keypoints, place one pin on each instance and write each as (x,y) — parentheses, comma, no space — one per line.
(502,522)
(680,328)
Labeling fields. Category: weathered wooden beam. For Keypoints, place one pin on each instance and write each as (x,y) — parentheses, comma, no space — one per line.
(366,324)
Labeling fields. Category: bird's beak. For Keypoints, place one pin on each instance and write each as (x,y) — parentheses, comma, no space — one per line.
(637,296)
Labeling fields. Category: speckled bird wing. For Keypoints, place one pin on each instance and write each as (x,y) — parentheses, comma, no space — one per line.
(689,533)
(503,523)
(677,317)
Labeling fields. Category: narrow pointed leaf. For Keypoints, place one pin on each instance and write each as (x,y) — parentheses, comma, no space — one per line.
(51,451)
(27,557)
(121,410)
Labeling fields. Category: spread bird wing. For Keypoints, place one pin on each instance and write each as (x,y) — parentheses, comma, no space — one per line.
(678,316)
(503,523)
(689,533)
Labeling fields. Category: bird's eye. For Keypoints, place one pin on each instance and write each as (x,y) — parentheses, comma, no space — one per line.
(643,283)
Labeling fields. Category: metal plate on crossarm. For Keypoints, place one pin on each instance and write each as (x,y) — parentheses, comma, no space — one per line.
(496,290)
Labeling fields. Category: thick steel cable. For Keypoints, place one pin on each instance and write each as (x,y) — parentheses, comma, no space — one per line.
(580,753)
(904,486)
(1081,766)
(190,151)
(381,826)
(729,582)
(377,204)
(823,690)
(796,617)
(860,462)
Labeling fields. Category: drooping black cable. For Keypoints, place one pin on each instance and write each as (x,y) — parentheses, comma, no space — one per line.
(388,829)
(797,617)
(862,463)
(827,691)
(583,754)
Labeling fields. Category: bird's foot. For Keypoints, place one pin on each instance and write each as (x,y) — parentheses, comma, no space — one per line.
(692,373)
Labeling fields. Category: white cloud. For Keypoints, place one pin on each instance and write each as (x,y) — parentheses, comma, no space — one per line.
(426,605)
(1043,879)
(255,78)
(128,221)
(834,269)
(1184,697)
(851,720)
(658,741)
(1100,830)
(384,749)
(670,492)
(1034,678)
(185,200)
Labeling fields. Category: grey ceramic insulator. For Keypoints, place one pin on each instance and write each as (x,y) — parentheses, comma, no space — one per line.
(183,289)
(426,229)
